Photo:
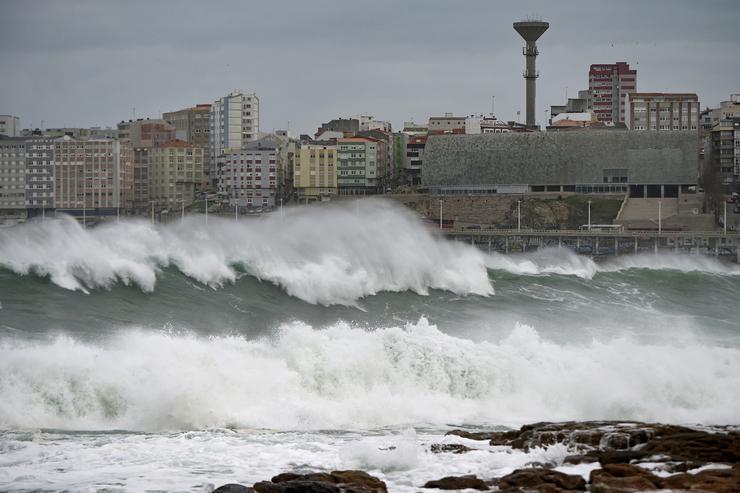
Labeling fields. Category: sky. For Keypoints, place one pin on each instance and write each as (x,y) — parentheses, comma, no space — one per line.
(97,62)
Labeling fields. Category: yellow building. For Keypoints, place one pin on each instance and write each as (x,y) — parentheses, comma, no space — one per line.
(315,171)
(176,168)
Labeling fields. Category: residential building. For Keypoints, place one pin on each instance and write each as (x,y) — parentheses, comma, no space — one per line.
(357,165)
(315,170)
(727,109)
(608,85)
(574,105)
(252,177)
(141,196)
(447,124)
(412,128)
(90,176)
(39,175)
(150,132)
(175,170)
(10,126)
(387,164)
(654,111)
(81,132)
(347,126)
(723,153)
(234,121)
(12,178)
(367,123)
(191,124)
(479,124)
(414,159)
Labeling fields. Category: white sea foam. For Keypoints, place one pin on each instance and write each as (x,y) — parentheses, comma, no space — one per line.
(347,378)
(566,262)
(325,255)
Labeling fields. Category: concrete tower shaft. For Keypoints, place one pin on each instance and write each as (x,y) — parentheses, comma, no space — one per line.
(531,31)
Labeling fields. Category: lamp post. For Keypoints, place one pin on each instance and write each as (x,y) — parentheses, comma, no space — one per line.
(440,214)
(724,222)
(182,212)
(589,215)
(660,216)
(206,209)
(152,212)
(281,209)
(518,215)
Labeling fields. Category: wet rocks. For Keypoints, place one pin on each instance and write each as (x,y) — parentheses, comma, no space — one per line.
(622,478)
(334,482)
(233,488)
(540,480)
(458,483)
(698,446)
(452,448)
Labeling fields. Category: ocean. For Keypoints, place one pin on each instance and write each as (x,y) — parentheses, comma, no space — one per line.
(177,357)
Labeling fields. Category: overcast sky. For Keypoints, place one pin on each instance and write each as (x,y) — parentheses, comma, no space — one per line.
(90,62)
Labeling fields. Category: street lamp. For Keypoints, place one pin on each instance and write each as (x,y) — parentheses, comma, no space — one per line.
(660,216)
(519,215)
(440,214)
(206,209)
(589,215)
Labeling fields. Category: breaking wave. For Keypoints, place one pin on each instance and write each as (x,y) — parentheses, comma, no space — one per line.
(345,377)
(322,255)
(567,263)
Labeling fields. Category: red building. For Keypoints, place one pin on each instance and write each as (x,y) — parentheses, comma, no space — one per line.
(608,86)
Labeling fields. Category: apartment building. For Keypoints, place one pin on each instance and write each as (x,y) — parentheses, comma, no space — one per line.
(39,175)
(251,177)
(150,132)
(608,86)
(193,125)
(447,124)
(90,175)
(723,152)
(12,178)
(357,165)
(234,121)
(315,170)
(10,126)
(175,171)
(654,111)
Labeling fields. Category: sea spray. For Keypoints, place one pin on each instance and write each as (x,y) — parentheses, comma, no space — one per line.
(349,378)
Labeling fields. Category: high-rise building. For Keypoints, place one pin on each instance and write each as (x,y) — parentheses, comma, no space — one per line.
(10,126)
(39,175)
(150,133)
(608,85)
(315,170)
(251,177)
(12,178)
(234,121)
(90,175)
(654,111)
(723,153)
(175,171)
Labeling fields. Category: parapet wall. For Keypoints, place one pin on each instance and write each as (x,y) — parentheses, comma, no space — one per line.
(560,158)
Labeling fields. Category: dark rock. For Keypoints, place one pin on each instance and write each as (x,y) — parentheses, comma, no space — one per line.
(620,456)
(715,480)
(483,435)
(336,481)
(699,446)
(542,480)
(454,448)
(457,483)
(233,488)
(622,478)
(581,458)
(296,486)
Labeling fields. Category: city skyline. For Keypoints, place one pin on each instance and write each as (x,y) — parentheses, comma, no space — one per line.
(387,62)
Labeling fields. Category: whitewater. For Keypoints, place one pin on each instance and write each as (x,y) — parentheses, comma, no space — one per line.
(174,357)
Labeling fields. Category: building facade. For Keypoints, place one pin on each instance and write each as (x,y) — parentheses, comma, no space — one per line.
(447,124)
(12,178)
(315,170)
(90,176)
(192,125)
(39,175)
(10,126)
(662,111)
(415,158)
(251,177)
(234,121)
(357,165)
(175,171)
(723,153)
(608,86)
(150,133)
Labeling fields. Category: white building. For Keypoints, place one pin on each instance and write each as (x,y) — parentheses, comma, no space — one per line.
(10,126)
(250,177)
(368,122)
(234,122)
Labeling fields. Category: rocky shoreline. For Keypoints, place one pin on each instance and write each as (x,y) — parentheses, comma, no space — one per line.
(626,457)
